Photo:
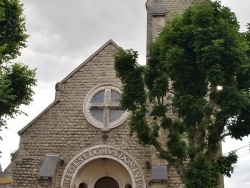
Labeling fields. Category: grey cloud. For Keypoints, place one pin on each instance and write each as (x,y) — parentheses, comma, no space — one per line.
(50,68)
(240,177)
(64,33)
(70,27)
(241,8)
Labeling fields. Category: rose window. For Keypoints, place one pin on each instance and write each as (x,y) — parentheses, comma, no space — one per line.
(102,108)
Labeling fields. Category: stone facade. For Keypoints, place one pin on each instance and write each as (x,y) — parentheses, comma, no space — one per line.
(88,153)
(62,129)
(159,12)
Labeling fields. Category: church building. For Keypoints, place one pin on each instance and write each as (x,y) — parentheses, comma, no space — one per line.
(82,139)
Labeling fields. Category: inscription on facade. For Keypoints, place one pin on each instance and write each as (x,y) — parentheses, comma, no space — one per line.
(100,152)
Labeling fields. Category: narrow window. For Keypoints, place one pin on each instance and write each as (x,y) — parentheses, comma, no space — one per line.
(83,185)
(128,185)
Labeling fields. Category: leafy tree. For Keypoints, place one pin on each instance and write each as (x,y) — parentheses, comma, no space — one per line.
(195,87)
(16,79)
(247,36)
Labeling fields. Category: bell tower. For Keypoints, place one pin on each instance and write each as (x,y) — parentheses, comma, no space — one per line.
(159,12)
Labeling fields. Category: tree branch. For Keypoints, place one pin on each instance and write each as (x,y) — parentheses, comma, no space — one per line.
(225,135)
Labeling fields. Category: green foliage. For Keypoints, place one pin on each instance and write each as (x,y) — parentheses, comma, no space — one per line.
(16,88)
(177,92)
(12,30)
(133,95)
(202,172)
(13,155)
(16,79)
(224,164)
(247,36)
(239,125)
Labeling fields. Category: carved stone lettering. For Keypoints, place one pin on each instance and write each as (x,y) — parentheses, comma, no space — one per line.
(85,156)
(104,151)
(100,152)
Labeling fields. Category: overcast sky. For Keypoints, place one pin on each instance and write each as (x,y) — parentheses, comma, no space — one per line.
(63,33)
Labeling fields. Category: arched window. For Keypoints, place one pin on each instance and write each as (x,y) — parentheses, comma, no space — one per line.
(106,182)
(83,185)
(128,185)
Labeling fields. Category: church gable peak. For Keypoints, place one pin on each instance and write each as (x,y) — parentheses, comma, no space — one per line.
(59,87)
(110,42)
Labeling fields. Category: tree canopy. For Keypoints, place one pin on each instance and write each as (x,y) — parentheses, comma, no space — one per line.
(195,87)
(16,79)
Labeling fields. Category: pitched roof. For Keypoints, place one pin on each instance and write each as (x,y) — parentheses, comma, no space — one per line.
(65,79)
(91,57)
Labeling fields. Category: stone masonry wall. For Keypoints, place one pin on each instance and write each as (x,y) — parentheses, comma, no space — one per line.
(155,23)
(63,129)
(156,20)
